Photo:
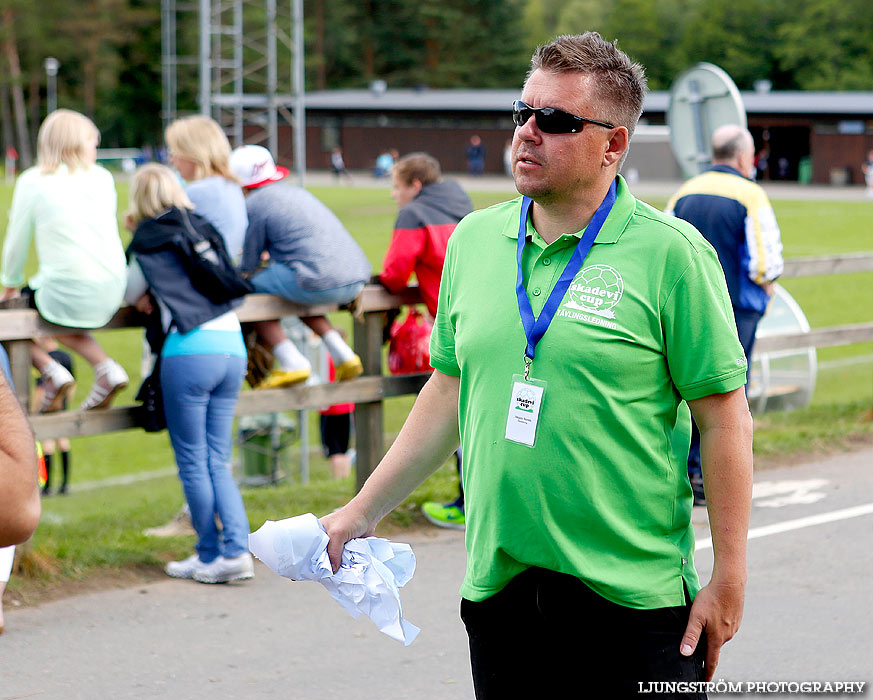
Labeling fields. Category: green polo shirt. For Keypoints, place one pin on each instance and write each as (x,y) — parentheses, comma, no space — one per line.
(646,324)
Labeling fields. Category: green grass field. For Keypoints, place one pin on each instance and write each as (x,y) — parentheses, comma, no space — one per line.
(98,527)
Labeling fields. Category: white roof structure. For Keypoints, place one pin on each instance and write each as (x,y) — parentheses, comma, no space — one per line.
(490,100)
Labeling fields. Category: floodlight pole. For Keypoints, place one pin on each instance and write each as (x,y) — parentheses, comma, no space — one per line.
(169,61)
(205,58)
(51,72)
(299,83)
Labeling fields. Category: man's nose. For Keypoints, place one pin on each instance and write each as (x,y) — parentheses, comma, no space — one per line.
(529,131)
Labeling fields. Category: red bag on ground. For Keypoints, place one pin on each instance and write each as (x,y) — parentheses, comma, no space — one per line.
(409,348)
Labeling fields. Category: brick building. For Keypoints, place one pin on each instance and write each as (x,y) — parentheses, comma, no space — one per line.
(822,137)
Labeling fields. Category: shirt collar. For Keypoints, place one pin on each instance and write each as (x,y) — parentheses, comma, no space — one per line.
(613,227)
(721,168)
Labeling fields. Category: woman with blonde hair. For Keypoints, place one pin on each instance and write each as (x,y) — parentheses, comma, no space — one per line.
(199,151)
(202,365)
(67,204)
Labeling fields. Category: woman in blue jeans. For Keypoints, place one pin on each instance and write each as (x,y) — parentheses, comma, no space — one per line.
(203,362)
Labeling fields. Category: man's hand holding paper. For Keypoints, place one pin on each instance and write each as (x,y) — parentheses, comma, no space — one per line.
(371,569)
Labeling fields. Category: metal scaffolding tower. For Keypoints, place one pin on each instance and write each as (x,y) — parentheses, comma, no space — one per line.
(249,58)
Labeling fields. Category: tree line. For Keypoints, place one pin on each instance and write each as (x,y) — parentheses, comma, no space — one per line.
(110,50)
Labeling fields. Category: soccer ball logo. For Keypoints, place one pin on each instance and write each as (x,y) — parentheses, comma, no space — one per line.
(596,289)
(525,399)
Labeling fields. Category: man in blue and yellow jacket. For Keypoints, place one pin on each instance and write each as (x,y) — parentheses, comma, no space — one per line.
(734,215)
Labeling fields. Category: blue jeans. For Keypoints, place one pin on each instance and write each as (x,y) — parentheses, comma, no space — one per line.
(200,393)
(4,366)
(282,281)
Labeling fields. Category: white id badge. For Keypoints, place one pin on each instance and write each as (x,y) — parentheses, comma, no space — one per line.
(524,409)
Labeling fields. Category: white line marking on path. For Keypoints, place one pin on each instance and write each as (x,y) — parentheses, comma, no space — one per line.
(776,494)
(799,523)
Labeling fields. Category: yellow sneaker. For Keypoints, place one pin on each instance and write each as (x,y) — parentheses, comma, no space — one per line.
(349,369)
(283,377)
(450,515)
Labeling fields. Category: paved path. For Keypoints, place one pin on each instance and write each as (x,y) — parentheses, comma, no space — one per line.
(808,616)
(266,638)
(808,612)
(644,188)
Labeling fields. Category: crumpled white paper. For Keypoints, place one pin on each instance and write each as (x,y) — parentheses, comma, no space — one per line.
(372,569)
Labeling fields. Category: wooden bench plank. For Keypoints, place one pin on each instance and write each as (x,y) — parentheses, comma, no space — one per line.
(829,265)
(817,337)
(19,323)
(362,390)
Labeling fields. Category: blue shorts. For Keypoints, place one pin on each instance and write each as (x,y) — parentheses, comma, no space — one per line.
(282,281)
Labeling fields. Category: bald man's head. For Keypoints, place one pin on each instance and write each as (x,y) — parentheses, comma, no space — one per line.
(734,146)
(729,141)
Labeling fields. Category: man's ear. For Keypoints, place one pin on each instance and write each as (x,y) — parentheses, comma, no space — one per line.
(416,184)
(616,147)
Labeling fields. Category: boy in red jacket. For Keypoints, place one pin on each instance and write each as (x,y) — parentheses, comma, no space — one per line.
(430,208)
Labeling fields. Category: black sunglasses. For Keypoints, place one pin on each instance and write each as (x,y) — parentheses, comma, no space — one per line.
(551,120)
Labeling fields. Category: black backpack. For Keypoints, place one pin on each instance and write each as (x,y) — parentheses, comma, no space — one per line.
(208,264)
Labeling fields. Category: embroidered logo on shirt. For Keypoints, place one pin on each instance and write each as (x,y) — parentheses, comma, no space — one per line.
(596,289)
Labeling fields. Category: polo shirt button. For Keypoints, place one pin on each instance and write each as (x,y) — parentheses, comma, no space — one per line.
(547,261)
(537,292)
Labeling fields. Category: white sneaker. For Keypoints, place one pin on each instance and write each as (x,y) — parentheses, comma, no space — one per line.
(185,568)
(58,386)
(223,570)
(109,379)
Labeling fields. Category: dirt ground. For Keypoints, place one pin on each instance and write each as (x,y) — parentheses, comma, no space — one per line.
(35,580)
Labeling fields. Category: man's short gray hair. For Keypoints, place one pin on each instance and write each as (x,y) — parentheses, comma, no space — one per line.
(619,82)
(731,141)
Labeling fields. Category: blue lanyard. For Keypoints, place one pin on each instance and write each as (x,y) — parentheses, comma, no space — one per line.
(534,329)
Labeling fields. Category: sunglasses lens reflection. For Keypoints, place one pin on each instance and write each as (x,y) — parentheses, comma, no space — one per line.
(520,114)
(549,120)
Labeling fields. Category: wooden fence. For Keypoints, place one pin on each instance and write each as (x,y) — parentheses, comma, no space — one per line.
(835,335)
(367,391)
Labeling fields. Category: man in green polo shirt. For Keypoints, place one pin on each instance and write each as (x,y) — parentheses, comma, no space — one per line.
(575,327)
